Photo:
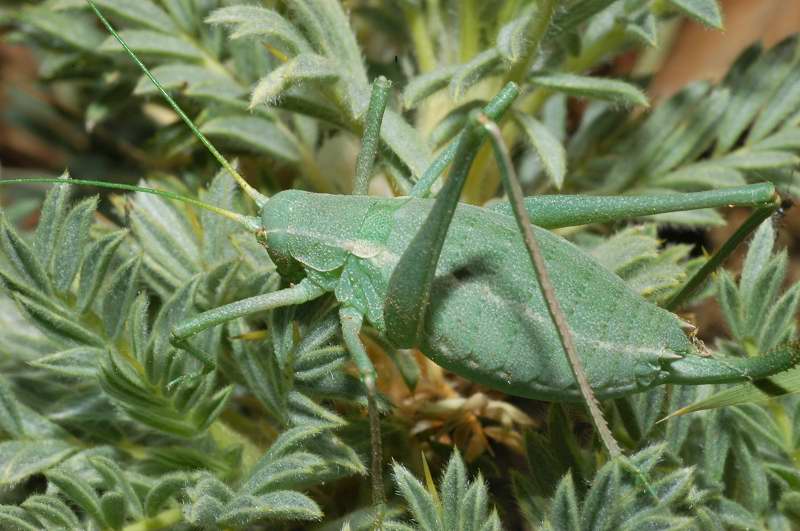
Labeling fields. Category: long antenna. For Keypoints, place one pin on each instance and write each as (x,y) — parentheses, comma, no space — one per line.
(254,194)
(248,222)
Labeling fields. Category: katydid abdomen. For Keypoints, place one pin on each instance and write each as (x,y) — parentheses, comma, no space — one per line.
(487,320)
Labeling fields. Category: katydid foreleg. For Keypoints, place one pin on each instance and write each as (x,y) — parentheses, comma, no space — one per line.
(302,292)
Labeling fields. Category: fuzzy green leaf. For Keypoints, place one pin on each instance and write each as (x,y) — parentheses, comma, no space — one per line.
(705,11)
(546,145)
(51,511)
(470,73)
(564,507)
(250,20)
(160,494)
(113,507)
(22,459)
(426,84)
(277,505)
(139,12)
(419,500)
(115,478)
(94,268)
(305,68)
(612,90)
(118,296)
(73,234)
(253,133)
(155,44)
(78,362)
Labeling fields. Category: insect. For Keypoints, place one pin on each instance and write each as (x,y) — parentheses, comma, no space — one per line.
(417,269)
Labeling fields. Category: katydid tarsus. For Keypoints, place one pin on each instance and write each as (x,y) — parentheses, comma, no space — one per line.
(457,282)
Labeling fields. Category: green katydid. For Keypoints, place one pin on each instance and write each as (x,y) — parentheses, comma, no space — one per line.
(417,269)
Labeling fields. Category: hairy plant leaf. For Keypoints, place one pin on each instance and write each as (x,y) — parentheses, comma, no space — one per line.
(156,44)
(277,505)
(546,145)
(705,11)
(253,133)
(591,87)
(139,12)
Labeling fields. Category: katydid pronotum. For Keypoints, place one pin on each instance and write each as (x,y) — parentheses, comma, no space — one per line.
(416,270)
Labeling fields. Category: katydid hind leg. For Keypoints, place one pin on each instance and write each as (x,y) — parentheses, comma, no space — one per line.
(514,191)
(351,321)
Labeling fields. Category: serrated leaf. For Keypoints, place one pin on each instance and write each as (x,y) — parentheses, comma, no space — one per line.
(10,419)
(113,506)
(119,295)
(78,362)
(58,326)
(166,487)
(115,479)
(69,246)
(51,511)
(730,303)
(564,507)
(784,102)
(253,133)
(293,470)
(29,269)
(193,80)
(419,500)
(77,32)
(705,11)
(599,510)
(742,394)
(473,71)
(780,320)
(155,44)
(79,491)
(453,486)
(139,12)
(21,459)
(474,506)
(94,268)
(15,519)
(513,38)
(644,28)
(550,151)
(260,22)
(304,68)
(787,139)
(760,160)
(278,505)
(613,90)
(758,255)
(701,176)
(426,84)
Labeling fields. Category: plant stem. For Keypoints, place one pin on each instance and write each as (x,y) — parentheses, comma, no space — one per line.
(426,56)
(469,30)
(226,437)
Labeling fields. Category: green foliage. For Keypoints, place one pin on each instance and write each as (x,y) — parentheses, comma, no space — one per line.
(261,424)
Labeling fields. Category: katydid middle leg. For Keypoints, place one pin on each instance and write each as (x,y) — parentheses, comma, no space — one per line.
(352,321)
